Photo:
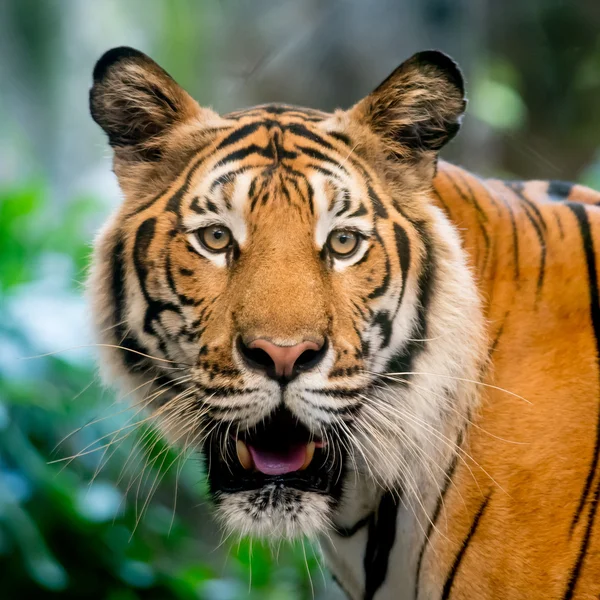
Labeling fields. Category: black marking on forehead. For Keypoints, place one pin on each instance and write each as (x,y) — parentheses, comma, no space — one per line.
(276,144)
(378,206)
(344,208)
(247,151)
(300,130)
(360,211)
(228,177)
(211,206)
(195,206)
(239,134)
(318,155)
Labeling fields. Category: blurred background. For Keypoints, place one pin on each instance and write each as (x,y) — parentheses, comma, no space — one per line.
(127,518)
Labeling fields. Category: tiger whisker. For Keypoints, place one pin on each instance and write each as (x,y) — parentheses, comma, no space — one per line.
(463,379)
(462,416)
(54,352)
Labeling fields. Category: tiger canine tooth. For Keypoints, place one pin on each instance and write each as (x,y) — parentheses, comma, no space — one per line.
(310,452)
(243,455)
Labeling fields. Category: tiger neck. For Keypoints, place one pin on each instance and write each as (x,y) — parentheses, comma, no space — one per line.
(376,547)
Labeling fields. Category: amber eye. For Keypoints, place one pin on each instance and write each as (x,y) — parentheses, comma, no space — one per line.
(215,238)
(343,242)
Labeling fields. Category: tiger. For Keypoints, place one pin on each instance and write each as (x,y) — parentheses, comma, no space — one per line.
(369,346)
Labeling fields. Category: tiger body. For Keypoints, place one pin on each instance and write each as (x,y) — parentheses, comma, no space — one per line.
(426,402)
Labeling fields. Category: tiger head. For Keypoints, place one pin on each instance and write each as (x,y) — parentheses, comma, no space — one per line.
(279,290)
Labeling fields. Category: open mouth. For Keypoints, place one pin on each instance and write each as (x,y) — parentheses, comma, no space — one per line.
(279,450)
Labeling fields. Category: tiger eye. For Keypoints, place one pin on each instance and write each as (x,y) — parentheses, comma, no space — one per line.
(343,242)
(215,238)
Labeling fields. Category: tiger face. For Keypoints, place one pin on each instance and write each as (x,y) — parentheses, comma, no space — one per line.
(266,272)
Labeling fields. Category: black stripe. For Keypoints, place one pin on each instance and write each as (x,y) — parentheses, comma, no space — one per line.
(588,247)
(380,541)
(318,155)
(402,362)
(359,212)
(494,345)
(174,202)
(559,189)
(482,218)
(195,206)
(240,133)
(436,513)
(515,236)
(227,177)
(301,131)
(246,151)
(342,137)
(403,248)
(383,287)
(442,202)
(143,239)
(463,548)
(211,206)
(378,206)
(561,232)
(132,360)
(344,208)
(538,224)
(518,187)
(382,318)
(195,162)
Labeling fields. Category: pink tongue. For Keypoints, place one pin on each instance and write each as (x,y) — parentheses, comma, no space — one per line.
(278,463)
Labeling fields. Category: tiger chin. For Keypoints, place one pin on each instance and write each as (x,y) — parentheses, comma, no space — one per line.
(354,334)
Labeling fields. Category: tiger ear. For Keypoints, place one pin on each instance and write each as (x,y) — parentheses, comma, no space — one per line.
(418,108)
(136,103)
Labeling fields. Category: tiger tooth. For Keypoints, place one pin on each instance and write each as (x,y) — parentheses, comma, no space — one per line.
(243,455)
(310,452)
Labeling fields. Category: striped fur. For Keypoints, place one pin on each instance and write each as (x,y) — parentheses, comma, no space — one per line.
(460,382)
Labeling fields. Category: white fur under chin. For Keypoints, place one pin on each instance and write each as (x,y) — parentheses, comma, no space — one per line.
(304,514)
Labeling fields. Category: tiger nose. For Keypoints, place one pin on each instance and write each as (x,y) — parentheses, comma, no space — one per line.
(282,363)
